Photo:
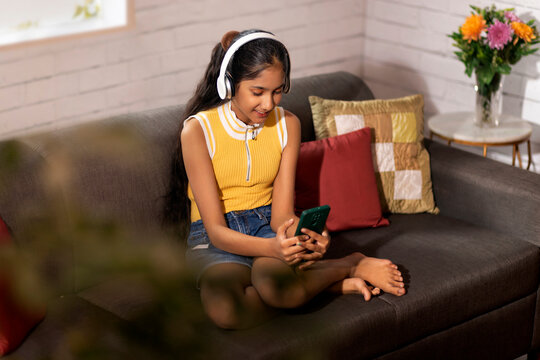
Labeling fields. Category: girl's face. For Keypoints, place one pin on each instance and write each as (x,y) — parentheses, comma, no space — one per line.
(254,99)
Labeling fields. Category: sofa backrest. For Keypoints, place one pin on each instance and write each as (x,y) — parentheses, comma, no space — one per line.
(112,176)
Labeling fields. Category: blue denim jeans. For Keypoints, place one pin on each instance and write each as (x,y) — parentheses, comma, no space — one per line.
(201,254)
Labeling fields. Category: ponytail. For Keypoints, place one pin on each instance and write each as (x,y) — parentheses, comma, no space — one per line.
(177,209)
(206,95)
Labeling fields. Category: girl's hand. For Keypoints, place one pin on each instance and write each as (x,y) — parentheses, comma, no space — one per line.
(288,249)
(317,244)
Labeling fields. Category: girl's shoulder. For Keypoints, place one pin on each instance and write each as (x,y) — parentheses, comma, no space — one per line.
(281,113)
(190,126)
(290,115)
(291,120)
(201,116)
(204,113)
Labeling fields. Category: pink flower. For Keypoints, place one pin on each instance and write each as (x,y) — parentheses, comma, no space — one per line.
(499,34)
(511,16)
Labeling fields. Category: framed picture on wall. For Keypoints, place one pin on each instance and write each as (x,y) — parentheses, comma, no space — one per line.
(28,21)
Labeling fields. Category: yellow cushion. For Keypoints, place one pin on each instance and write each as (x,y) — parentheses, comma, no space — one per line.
(400,159)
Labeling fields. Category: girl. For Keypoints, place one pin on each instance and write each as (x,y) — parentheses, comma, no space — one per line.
(239,153)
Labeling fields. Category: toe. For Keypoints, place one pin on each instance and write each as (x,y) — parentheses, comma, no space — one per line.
(396,284)
(388,262)
(367,294)
(398,291)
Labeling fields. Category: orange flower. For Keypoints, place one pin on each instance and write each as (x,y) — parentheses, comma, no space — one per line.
(473,27)
(523,31)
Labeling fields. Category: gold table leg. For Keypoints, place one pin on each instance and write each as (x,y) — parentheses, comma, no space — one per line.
(485,150)
(518,156)
(529,153)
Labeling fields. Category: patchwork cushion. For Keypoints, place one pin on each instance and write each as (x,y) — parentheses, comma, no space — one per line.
(400,160)
(338,171)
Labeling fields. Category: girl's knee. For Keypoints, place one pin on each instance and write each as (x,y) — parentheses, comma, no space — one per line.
(223,305)
(281,293)
(224,316)
(222,309)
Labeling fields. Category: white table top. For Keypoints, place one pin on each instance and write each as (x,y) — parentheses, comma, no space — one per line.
(459,126)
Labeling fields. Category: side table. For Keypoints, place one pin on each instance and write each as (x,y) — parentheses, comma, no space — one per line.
(459,127)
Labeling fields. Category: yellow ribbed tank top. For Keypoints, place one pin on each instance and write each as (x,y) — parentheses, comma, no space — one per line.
(245,159)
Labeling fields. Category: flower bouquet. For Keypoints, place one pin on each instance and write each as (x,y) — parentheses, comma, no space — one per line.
(490,41)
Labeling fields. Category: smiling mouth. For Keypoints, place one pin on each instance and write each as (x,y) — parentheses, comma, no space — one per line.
(262,114)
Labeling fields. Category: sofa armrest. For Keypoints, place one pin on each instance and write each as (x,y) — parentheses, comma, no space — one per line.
(485,192)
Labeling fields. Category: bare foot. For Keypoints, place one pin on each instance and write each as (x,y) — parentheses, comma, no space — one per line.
(381,273)
(355,286)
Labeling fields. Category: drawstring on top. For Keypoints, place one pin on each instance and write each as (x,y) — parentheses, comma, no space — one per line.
(253,129)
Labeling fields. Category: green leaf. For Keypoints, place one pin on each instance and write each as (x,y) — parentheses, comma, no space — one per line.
(455,36)
(485,74)
(78,11)
(504,69)
(10,155)
(529,51)
(482,55)
(475,8)
(468,70)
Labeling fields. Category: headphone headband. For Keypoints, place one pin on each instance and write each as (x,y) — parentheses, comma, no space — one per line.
(221,81)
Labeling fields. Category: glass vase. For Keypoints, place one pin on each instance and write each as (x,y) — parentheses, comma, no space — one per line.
(488,101)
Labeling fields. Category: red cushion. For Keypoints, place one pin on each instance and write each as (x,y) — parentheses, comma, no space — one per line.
(15,321)
(4,233)
(338,171)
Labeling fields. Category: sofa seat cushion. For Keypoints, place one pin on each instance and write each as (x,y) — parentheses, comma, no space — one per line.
(127,297)
(504,333)
(454,272)
(75,329)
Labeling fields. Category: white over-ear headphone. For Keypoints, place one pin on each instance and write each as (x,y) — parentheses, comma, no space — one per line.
(224,82)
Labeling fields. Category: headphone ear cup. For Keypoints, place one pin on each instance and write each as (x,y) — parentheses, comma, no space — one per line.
(229,85)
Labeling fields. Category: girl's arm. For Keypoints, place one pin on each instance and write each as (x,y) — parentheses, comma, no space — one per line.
(205,190)
(283,194)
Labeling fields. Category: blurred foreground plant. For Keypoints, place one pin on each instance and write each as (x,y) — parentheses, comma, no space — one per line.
(62,244)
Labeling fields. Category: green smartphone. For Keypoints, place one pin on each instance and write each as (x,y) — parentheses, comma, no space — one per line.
(313,219)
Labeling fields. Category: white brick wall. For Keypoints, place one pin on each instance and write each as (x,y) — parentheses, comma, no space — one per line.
(398,46)
(159,61)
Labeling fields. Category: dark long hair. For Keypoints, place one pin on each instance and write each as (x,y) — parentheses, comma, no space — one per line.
(246,64)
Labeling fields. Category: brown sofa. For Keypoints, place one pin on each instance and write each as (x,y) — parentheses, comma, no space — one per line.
(472,272)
